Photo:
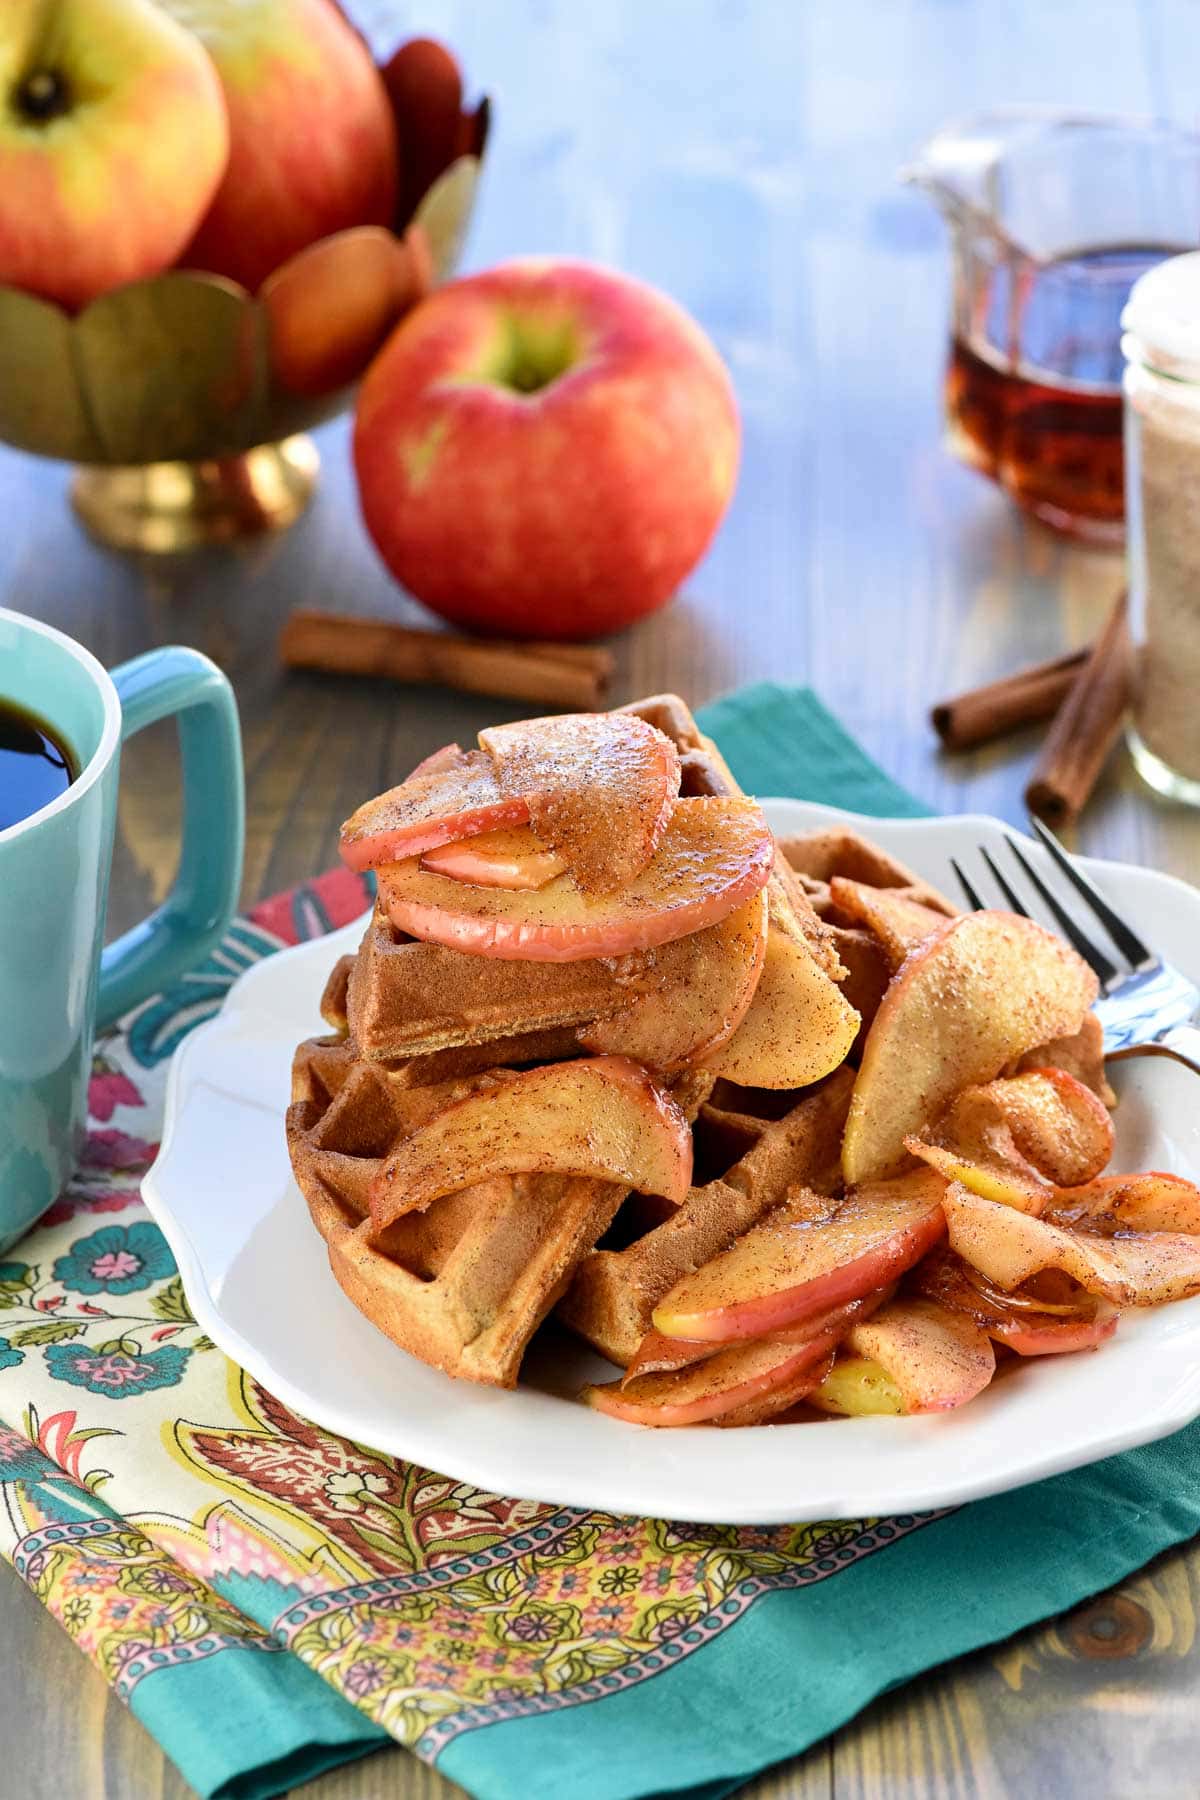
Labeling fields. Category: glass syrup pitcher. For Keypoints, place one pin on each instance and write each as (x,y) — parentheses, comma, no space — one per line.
(1052,219)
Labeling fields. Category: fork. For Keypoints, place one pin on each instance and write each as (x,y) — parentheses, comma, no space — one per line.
(1146,1008)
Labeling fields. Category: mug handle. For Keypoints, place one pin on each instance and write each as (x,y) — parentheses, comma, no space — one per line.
(194,915)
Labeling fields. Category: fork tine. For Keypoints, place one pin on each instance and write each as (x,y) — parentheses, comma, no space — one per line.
(1091,953)
(1126,940)
(1013,898)
(973,900)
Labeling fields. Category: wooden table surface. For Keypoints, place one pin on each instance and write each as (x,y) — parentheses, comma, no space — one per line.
(742,154)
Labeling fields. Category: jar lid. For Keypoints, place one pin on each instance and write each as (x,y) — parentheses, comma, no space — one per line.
(1163,314)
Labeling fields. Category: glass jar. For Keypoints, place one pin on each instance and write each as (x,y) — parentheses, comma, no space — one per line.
(1161,342)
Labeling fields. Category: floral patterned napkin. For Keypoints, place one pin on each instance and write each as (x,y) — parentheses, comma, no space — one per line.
(271,1599)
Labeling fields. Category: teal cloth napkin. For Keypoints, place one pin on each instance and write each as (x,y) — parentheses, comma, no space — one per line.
(771,1639)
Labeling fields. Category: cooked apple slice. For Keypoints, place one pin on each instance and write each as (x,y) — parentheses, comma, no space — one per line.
(1044,1121)
(505,859)
(731,1379)
(601,1117)
(763,1409)
(1014,1139)
(805,1258)
(936,1358)
(1081,1054)
(1038,1335)
(688,997)
(437,761)
(857,1388)
(714,856)
(1005,1180)
(799,1025)
(984,988)
(1025,1323)
(658,1353)
(600,787)
(1115,1203)
(455,797)
(1133,1268)
(900,924)
(1057,1124)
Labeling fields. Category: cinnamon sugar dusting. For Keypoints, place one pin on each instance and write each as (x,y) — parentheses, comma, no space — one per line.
(600,788)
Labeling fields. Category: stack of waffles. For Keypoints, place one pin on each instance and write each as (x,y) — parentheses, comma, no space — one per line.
(463,1278)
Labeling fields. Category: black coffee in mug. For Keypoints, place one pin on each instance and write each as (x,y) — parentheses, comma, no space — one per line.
(35,765)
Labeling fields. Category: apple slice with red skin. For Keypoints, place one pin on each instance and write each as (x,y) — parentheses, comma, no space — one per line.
(689,996)
(1056,1123)
(454,798)
(601,1117)
(437,761)
(731,1379)
(657,1353)
(803,1259)
(1039,1336)
(799,1024)
(1153,1201)
(1081,1054)
(510,859)
(1146,1267)
(981,990)
(1025,1323)
(715,854)
(936,1358)
(763,1409)
(600,788)
(1013,1139)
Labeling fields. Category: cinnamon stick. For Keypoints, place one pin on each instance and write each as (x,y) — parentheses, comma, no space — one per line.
(1085,726)
(1002,706)
(568,676)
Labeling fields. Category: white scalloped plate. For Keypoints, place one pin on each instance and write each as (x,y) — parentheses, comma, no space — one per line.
(258,1282)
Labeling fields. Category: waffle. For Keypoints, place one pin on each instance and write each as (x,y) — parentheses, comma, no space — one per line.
(407,998)
(401,998)
(464,1285)
(817,857)
(514,1049)
(615,1290)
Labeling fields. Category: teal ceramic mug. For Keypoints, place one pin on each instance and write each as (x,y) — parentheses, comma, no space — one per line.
(58,984)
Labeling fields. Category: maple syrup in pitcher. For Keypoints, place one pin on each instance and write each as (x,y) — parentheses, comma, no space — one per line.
(1052,217)
(1033,391)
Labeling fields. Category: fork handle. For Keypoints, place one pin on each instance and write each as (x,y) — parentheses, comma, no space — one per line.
(1180,1042)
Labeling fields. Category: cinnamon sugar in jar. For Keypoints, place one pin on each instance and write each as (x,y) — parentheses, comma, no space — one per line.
(1161,322)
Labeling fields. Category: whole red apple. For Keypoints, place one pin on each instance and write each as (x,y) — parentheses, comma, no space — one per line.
(312,139)
(113,138)
(545,450)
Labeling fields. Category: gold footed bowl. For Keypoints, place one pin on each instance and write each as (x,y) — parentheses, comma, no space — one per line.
(187,399)
(171,506)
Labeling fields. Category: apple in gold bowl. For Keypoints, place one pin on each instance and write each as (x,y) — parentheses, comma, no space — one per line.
(212,215)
